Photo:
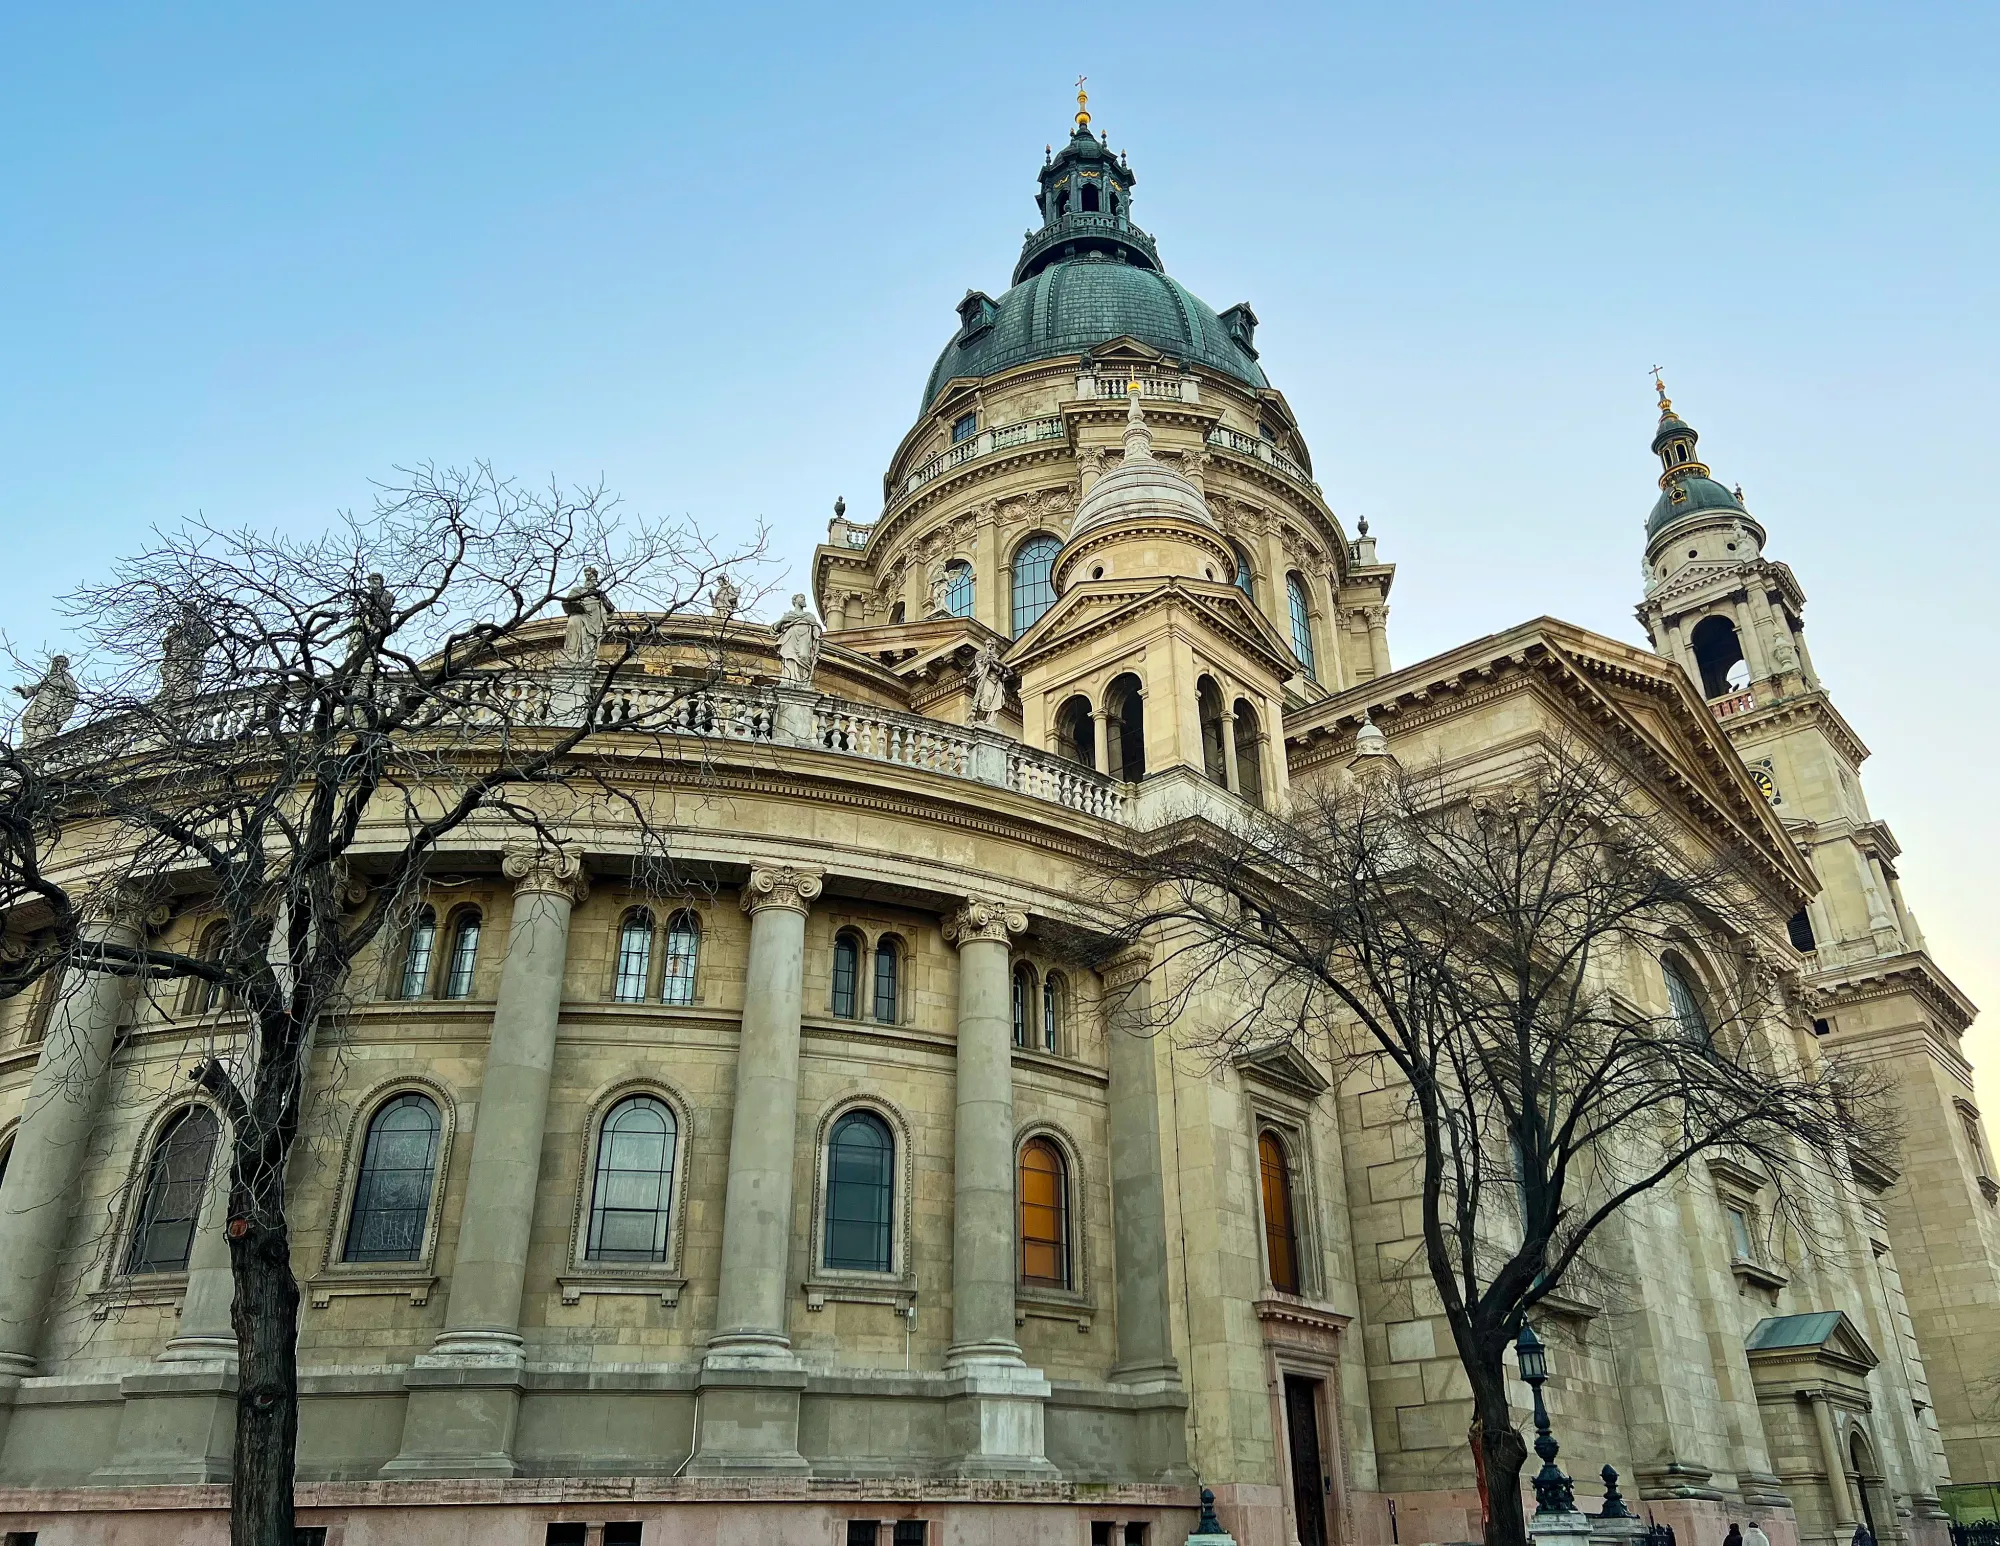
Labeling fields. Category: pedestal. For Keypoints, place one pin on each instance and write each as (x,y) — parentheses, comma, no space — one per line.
(747,1416)
(993,1419)
(1570,1529)
(175,1426)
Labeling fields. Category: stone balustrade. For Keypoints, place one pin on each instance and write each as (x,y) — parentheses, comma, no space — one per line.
(1259,449)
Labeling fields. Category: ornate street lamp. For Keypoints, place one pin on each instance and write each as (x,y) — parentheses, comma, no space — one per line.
(1553,1493)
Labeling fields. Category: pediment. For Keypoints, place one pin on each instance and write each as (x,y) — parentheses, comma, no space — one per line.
(1125,348)
(1821,1336)
(1286,1067)
(1096,607)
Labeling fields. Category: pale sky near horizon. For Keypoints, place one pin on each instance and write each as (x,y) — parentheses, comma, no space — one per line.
(253,260)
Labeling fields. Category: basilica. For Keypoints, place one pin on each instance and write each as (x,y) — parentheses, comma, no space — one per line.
(843,1202)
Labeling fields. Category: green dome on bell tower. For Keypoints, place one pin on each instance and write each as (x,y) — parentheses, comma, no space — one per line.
(1088,275)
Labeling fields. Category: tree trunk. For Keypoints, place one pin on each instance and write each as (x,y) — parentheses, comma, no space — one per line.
(1504,1451)
(266,1316)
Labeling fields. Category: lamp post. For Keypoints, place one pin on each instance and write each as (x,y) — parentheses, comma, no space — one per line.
(1553,1494)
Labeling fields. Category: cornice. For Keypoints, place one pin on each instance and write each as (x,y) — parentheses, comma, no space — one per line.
(1912,972)
(1815,707)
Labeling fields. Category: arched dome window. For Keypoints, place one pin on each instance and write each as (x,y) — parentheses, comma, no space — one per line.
(958,588)
(1281,1239)
(633,1188)
(1044,1194)
(1245,581)
(1092,199)
(635,957)
(170,1204)
(1302,628)
(860,1193)
(888,998)
(677,982)
(392,1190)
(1684,998)
(1024,1004)
(1034,592)
(847,975)
(464,955)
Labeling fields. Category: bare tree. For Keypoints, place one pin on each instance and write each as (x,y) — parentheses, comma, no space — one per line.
(288,730)
(1481,949)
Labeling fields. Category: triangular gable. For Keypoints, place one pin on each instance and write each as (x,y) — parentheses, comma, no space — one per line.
(1099,604)
(1285,1066)
(1820,1335)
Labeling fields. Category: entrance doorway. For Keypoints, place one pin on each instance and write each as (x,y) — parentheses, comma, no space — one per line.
(1865,1482)
(1310,1483)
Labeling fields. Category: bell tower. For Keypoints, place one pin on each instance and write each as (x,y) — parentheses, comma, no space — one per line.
(1733,619)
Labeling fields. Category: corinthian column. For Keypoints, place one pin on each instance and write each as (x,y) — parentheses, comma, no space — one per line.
(465,1393)
(54,1131)
(982,1260)
(748,1403)
(994,1414)
(757,1210)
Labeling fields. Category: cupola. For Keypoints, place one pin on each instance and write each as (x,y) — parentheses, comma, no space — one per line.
(1143,519)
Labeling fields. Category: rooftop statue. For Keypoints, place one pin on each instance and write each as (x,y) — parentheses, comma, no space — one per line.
(184,653)
(51,701)
(989,684)
(798,634)
(588,614)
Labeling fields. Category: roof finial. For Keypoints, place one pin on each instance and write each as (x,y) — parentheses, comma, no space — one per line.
(1138,433)
(1666,403)
(1082,104)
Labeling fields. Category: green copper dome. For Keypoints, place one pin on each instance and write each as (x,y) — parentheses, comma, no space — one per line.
(1074,305)
(1089,275)
(1698,494)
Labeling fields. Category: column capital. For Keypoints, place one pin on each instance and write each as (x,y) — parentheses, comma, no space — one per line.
(1127,967)
(980,919)
(554,871)
(789,886)
(128,904)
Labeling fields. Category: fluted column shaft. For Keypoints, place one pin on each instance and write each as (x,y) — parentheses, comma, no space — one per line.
(757,1209)
(982,1268)
(53,1136)
(484,1311)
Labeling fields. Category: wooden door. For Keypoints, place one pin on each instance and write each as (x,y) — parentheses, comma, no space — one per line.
(1309,1480)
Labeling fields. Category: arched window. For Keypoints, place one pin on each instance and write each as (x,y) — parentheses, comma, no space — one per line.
(1024,1004)
(1208,709)
(1055,1007)
(1044,1190)
(1685,1000)
(1245,581)
(1126,704)
(416,976)
(170,1204)
(958,588)
(1249,733)
(203,995)
(1034,590)
(860,1193)
(1076,732)
(464,955)
(631,1195)
(1302,628)
(683,959)
(898,612)
(846,976)
(1091,198)
(888,982)
(392,1190)
(635,957)
(1062,203)
(1281,1240)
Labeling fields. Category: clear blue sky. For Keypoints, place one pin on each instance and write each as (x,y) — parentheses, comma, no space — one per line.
(252,258)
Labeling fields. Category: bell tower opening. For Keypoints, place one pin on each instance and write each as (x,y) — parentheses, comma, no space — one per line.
(1718,654)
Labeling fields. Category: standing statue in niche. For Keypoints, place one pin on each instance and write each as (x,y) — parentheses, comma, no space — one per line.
(989,685)
(51,701)
(798,634)
(588,614)
(940,592)
(184,653)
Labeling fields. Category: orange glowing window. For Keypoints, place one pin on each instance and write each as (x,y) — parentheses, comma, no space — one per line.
(1281,1242)
(1044,1215)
